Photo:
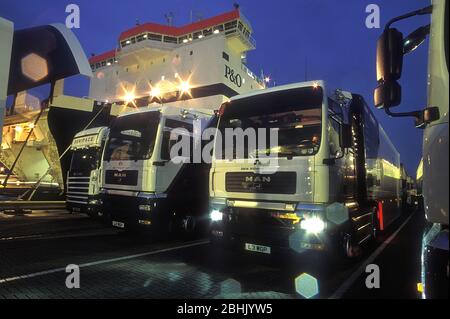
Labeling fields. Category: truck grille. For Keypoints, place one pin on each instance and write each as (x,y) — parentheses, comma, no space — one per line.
(277,183)
(77,190)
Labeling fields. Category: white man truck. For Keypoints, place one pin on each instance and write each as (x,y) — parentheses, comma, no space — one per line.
(330,182)
(433,118)
(145,188)
(84,175)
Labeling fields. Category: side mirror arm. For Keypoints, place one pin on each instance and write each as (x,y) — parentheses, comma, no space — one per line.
(423,11)
(422,118)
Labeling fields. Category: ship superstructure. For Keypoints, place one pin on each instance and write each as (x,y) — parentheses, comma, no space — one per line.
(198,65)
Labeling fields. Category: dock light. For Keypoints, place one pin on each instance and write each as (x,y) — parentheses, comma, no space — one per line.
(155,93)
(129,97)
(315,85)
(185,88)
(267,79)
(312,225)
(216,216)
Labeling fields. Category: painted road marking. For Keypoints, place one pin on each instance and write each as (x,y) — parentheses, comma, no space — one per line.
(362,268)
(86,233)
(106,261)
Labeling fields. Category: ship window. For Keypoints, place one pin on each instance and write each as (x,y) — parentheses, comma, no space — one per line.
(225,56)
(140,38)
(230,25)
(154,37)
(191,53)
(240,26)
(170,39)
(133,40)
(183,39)
(207,32)
(219,27)
(97,65)
(197,34)
(92,66)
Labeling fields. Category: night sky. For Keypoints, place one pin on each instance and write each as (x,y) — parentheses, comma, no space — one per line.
(330,35)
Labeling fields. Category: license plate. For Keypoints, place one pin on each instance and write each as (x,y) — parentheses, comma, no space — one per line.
(258,248)
(118,224)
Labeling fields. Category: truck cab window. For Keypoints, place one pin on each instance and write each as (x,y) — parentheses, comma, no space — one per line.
(297,115)
(132,137)
(174,129)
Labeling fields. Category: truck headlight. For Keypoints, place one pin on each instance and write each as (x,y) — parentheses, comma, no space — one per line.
(312,225)
(96,202)
(216,216)
(145,208)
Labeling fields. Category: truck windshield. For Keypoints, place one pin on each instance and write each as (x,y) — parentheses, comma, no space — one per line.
(85,160)
(296,113)
(132,137)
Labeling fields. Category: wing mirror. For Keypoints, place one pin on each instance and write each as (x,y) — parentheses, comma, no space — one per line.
(390,50)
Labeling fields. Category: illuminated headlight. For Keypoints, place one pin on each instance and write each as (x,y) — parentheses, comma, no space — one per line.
(313,225)
(216,216)
(95,202)
(145,208)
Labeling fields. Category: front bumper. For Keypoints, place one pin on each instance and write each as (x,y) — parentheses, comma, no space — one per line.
(136,212)
(280,231)
(92,207)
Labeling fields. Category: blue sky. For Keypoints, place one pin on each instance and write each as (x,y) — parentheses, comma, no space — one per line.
(331,35)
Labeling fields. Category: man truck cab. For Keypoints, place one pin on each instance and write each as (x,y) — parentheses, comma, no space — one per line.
(331,181)
(84,176)
(144,187)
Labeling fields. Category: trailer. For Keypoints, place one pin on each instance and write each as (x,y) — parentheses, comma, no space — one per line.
(330,183)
